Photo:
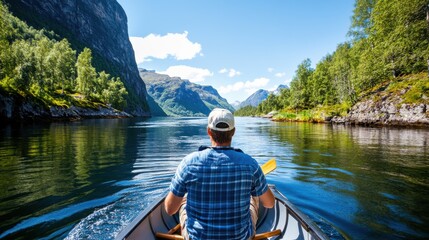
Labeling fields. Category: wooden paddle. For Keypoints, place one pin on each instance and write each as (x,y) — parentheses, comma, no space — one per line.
(269,166)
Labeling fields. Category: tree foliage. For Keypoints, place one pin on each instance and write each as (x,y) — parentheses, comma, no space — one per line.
(32,62)
(389,39)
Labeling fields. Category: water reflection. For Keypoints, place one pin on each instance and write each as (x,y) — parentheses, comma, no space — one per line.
(87,180)
(378,176)
(45,166)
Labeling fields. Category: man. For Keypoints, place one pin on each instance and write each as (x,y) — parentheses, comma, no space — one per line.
(219,182)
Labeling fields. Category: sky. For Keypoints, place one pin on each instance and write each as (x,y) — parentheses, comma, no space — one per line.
(236,46)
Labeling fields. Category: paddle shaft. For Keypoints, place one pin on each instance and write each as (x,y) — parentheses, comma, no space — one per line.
(258,236)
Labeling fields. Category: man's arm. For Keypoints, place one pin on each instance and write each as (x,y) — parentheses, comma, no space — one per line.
(172,203)
(267,199)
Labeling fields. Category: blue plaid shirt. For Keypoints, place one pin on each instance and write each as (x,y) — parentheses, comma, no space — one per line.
(219,183)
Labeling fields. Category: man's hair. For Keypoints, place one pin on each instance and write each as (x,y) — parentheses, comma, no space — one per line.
(222,136)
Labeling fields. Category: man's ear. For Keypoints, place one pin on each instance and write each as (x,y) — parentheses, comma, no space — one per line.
(209,132)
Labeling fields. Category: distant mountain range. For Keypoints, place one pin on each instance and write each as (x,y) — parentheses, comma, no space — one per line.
(256,98)
(173,96)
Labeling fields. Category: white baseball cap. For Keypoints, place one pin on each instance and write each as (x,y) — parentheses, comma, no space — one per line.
(220,115)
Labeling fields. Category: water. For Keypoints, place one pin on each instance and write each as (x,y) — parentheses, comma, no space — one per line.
(88,179)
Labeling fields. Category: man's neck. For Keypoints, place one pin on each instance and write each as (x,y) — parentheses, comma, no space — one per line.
(215,144)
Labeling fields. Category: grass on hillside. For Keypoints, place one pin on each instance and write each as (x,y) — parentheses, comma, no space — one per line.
(318,114)
(58,98)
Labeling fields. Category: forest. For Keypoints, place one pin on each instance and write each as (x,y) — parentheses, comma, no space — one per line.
(389,43)
(38,64)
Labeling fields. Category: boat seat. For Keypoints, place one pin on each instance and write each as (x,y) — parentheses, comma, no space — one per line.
(171,234)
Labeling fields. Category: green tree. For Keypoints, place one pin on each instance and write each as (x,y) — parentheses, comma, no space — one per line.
(44,75)
(400,31)
(23,62)
(340,72)
(101,85)
(86,74)
(361,19)
(299,87)
(246,111)
(65,71)
(115,93)
(322,90)
(284,98)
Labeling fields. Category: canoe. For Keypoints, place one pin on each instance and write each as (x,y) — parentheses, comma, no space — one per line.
(284,216)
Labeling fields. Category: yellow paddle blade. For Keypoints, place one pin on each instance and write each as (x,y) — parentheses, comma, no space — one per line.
(269,166)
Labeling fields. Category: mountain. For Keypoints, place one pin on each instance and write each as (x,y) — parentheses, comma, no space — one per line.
(100,25)
(179,97)
(256,98)
(236,104)
(278,90)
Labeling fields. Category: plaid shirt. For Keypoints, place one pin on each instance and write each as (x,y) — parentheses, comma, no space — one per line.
(219,183)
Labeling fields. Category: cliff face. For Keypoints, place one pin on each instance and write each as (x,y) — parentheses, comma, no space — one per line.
(388,112)
(100,25)
(402,102)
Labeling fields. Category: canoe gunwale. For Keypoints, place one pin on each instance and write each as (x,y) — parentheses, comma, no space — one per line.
(292,211)
(308,224)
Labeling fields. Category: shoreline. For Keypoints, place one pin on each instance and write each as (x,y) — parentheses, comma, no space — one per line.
(14,108)
(359,124)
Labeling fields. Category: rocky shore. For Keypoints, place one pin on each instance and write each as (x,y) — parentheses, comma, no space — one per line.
(370,112)
(17,108)
(407,105)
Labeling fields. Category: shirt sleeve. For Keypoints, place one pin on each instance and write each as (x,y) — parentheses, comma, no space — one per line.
(260,185)
(178,183)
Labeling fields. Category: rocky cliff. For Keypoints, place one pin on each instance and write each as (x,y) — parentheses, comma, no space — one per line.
(402,102)
(179,97)
(388,112)
(100,25)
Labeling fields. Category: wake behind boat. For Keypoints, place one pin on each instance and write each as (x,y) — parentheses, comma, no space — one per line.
(284,216)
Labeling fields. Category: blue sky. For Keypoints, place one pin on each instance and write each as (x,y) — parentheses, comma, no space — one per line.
(236,46)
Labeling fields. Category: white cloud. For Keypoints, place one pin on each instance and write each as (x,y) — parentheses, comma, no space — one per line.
(248,86)
(279,75)
(223,70)
(186,72)
(176,45)
(231,72)
(270,69)
(250,91)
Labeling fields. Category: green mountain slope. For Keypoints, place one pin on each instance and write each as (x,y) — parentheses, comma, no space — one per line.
(178,97)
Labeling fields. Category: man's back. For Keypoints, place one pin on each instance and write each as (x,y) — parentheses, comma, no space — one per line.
(219,183)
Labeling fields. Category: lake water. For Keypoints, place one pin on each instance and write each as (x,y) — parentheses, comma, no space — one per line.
(87,179)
